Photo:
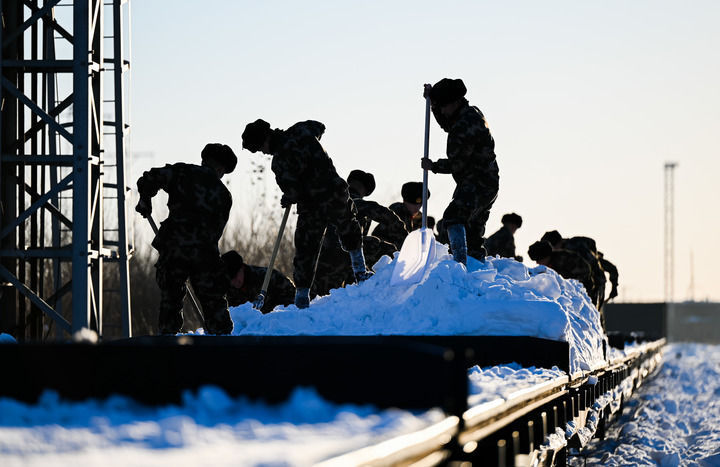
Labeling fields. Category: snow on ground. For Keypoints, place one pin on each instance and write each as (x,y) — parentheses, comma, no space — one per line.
(499,382)
(209,428)
(672,420)
(500,297)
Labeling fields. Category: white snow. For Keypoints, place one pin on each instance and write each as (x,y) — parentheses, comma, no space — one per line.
(501,381)
(7,339)
(500,297)
(673,419)
(208,429)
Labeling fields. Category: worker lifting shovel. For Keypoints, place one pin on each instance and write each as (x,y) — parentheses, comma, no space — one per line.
(419,248)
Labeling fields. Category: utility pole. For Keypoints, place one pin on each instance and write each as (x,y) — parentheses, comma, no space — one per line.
(669,251)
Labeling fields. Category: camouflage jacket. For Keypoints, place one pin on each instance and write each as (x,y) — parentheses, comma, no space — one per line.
(501,243)
(303,170)
(198,203)
(587,249)
(470,150)
(369,211)
(281,290)
(570,265)
(390,234)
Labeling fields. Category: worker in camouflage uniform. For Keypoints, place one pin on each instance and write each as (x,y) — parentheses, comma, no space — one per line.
(307,177)
(568,264)
(408,210)
(502,242)
(587,248)
(362,184)
(333,268)
(187,241)
(471,161)
(245,283)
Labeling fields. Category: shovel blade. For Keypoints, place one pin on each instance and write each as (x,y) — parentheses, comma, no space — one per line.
(416,254)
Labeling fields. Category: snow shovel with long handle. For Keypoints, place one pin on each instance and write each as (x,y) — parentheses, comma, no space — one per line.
(191,292)
(418,249)
(260,300)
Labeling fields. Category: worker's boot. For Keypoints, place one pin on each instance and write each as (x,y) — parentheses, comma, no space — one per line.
(458,242)
(357,258)
(302,297)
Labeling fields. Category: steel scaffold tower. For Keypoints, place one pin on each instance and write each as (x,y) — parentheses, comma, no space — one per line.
(64,243)
(669,251)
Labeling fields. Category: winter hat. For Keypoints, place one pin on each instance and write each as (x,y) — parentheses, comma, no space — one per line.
(364,178)
(539,250)
(447,90)
(553,237)
(512,218)
(255,135)
(220,153)
(233,262)
(412,192)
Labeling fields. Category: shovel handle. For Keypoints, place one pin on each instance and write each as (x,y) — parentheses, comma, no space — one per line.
(268,273)
(426,154)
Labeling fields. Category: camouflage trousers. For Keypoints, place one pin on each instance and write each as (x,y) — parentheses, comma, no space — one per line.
(470,206)
(204,269)
(313,221)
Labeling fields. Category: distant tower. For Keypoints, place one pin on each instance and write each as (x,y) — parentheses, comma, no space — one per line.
(669,254)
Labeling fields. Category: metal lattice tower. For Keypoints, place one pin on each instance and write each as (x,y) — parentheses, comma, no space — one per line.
(669,252)
(64,244)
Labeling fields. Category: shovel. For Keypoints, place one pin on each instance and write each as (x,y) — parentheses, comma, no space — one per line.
(191,292)
(418,249)
(260,300)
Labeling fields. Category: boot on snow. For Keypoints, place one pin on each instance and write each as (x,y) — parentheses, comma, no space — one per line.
(458,242)
(302,297)
(362,273)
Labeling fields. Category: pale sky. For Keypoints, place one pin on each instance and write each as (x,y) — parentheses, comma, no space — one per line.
(586,102)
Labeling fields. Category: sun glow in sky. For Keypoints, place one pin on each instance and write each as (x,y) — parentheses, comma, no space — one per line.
(586,101)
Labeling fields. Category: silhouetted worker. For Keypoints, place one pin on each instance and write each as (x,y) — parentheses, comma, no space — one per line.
(307,177)
(333,268)
(245,283)
(408,210)
(568,264)
(587,248)
(187,241)
(362,184)
(502,242)
(471,161)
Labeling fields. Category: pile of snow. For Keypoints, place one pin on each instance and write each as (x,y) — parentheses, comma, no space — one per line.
(209,428)
(673,418)
(500,297)
(7,339)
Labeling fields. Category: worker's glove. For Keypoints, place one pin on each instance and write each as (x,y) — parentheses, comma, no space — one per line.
(286,201)
(427,164)
(426,90)
(144,207)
